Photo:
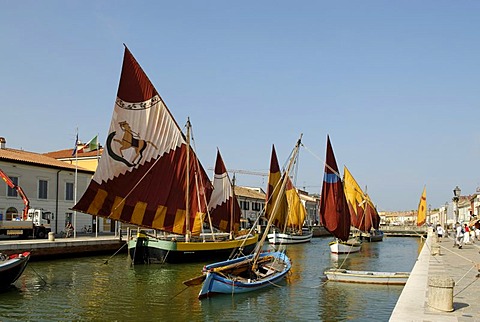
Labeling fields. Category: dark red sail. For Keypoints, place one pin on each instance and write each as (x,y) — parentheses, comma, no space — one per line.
(334,212)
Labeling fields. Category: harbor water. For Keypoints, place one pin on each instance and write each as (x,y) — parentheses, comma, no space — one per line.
(103,288)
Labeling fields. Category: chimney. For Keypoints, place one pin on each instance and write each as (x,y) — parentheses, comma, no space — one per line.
(2,142)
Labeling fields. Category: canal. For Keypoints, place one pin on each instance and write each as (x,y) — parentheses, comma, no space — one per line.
(103,288)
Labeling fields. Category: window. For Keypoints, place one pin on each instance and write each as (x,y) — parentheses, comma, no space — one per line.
(12,192)
(69,191)
(257,206)
(42,189)
(244,205)
(12,213)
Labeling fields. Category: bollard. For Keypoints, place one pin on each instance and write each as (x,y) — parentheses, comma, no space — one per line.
(435,249)
(440,292)
(51,236)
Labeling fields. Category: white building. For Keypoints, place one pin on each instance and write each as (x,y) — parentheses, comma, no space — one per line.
(48,184)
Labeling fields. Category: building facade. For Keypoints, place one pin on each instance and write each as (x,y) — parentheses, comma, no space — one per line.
(48,184)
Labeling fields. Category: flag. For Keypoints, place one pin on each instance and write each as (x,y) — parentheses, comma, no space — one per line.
(91,145)
(76,144)
(422,208)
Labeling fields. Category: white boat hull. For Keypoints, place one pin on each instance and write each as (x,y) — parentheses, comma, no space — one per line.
(367,277)
(338,247)
(281,238)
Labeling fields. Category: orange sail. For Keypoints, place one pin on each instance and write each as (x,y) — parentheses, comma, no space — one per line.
(334,211)
(422,208)
(148,175)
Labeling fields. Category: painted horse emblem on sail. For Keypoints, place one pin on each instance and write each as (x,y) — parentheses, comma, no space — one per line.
(129,140)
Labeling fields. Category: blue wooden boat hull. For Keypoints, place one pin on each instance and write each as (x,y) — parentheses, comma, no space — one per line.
(217,284)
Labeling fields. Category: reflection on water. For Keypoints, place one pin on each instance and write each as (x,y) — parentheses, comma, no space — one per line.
(87,289)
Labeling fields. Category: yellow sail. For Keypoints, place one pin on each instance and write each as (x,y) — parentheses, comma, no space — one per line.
(353,192)
(422,208)
(296,209)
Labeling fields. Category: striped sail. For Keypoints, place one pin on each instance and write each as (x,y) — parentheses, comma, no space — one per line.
(142,177)
(223,206)
(334,211)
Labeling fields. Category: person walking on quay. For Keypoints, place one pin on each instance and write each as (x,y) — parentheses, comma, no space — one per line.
(439,233)
(466,234)
(458,241)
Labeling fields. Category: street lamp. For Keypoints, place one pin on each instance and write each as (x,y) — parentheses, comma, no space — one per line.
(456,197)
(429,220)
(445,222)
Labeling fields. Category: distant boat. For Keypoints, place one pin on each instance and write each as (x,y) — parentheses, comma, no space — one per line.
(334,209)
(151,177)
(363,214)
(367,277)
(288,230)
(251,272)
(11,268)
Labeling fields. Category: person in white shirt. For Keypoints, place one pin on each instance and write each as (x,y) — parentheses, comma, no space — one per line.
(440,233)
(458,236)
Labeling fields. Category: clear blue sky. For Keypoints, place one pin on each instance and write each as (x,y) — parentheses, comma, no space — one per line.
(394,83)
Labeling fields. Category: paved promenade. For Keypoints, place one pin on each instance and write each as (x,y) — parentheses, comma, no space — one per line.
(460,265)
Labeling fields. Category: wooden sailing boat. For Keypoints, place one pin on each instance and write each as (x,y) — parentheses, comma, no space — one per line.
(150,177)
(334,210)
(375,234)
(252,272)
(362,211)
(289,229)
(340,207)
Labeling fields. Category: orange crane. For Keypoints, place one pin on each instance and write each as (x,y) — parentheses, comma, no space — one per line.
(19,189)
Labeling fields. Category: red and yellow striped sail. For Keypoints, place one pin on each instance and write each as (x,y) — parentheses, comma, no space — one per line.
(142,175)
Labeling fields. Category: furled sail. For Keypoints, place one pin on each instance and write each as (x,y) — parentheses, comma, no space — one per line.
(334,211)
(223,205)
(142,177)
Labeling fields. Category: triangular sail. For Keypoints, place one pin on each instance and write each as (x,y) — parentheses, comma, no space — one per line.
(296,210)
(356,202)
(334,212)
(422,208)
(273,193)
(142,177)
(372,212)
(223,205)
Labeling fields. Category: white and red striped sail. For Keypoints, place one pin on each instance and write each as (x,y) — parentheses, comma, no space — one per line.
(142,175)
(223,205)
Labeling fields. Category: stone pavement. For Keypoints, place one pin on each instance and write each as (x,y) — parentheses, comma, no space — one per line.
(462,265)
